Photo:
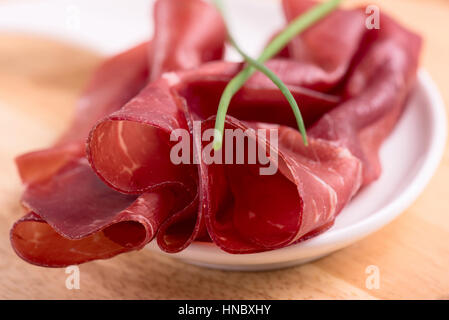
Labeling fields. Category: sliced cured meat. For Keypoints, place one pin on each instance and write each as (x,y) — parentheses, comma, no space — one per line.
(325,50)
(130,149)
(90,220)
(351,84)
(259,99)
(40,165)
(198,37)
(248,212)
(375,94)
(71,209)
(46,172)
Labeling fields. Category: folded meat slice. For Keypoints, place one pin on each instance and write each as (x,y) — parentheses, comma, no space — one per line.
(130,152)
(259,99)
(86,221)
(325,50)
(130,149)
(351,98)
(246,212)
(60,186)
(199,35)
(375,95)
(70,208)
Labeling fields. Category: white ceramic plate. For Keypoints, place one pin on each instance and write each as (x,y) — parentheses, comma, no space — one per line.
(409,157)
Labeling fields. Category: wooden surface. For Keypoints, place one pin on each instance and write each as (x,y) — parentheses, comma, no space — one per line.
(39,82)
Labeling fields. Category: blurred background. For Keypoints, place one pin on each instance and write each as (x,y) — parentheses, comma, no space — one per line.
(49,48)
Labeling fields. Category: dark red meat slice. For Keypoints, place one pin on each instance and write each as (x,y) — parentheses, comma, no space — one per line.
(199,35)
(247,212)
(63,191)
(325,50)
(90,220)
(130,149)
(375,94)
(259,99)
(351,84)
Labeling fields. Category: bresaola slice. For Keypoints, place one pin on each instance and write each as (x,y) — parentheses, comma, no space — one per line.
(251,213)
(375,95)
(65,226)
(351,84)
(130,149)
(247,212)
(198,37)
(61,189)
(89,221)
(325,50)
(258,100)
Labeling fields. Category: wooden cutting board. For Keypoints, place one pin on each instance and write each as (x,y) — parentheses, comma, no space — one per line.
(39,82)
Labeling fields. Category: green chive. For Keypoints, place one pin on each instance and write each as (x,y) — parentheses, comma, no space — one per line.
(273,77)
(298,25)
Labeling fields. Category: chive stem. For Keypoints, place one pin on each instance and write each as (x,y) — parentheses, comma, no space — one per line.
(274,47)
(274,78)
